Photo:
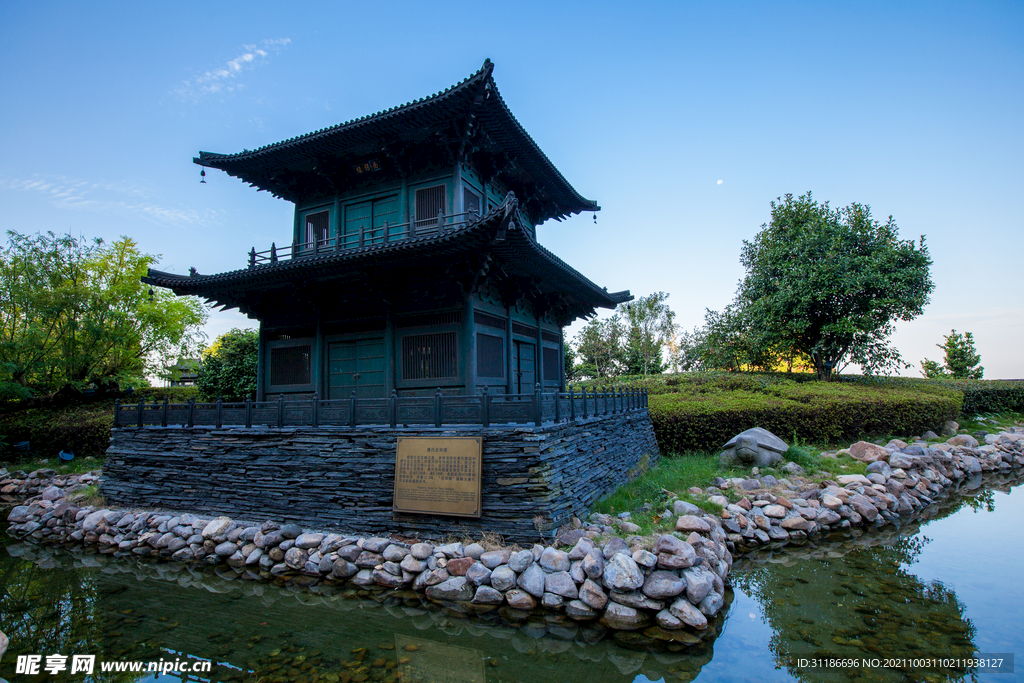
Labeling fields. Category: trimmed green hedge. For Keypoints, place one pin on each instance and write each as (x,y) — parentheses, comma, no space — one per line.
(980,395)
(85,428)
(173,394)
(817,412)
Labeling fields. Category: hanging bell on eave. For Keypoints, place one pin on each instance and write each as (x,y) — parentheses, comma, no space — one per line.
(202,175)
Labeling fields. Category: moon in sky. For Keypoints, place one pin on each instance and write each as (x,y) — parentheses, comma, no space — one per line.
(719,182)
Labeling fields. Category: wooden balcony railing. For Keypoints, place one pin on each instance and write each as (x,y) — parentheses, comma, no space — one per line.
(438,410)
(365,236)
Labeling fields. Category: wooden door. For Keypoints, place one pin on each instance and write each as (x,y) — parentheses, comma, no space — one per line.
(356,366)
(524,367)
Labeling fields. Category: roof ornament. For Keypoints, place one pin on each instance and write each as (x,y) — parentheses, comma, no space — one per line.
(192,272)
(202,175)
(595,218)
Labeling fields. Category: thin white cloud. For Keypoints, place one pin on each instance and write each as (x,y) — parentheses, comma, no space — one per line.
(106,197)
(225,79)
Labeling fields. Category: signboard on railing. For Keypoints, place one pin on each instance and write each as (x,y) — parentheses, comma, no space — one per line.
(437,475)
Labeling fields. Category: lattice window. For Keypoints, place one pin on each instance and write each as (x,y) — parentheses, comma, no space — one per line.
(430,201)
(429,356)
(525,330)
(316,227)
(550,336)
(290,365)
(428,319)
(490,321)
(552,366)
(490,356)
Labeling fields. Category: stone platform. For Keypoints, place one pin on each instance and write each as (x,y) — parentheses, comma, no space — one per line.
(534,479)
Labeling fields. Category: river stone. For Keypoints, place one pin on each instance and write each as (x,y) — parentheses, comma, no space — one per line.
(307,541)
(474,550)
(478,574)
(880,467)
(217,529)
(532,581)
(662,584)
(615,546)
(828,517)
(688,614)
(636,600)
(552,602)
(621,573)
(520,561)
(485,595)
(645,559)
(868,452)
(495,558)
(422,551)
(367,560)
(796,524)
(699,582)
(580,550)
(350,552)
(387,579)
(622,618)
(411,564)
(554,560)
(711,603)
(291,531)
(395,553)
(373,545)
(450,550)
(295,558)
(774,511)
(576,609)
(518,599)
(593,563)
(864,507)
(830,501)
(778,533)
(560,583)
(754,447)
(876,478)
(459,566)
(689,523)
(269,540)
(963,440)
(226,549)
(681,507)
(456,588)
(503,578)
(844,479)
(593,595)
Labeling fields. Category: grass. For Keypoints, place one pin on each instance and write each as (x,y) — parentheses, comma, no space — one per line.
(88,495)
(76,466)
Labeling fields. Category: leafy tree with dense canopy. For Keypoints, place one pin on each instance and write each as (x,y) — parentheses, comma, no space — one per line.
(599,346)
(962,359)
(74,312)
(229,366)
(830,283)
(650,327)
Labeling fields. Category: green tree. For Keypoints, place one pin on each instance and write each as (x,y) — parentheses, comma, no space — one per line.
(830,283)
(74,312)
(650,327)
(962,359)
(229,366)
(569,360)
(599,346)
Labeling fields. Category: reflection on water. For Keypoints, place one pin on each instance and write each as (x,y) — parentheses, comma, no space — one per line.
(852,595)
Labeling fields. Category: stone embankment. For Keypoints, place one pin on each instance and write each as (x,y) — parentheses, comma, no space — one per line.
(675,584)
(901,480)
(17,485)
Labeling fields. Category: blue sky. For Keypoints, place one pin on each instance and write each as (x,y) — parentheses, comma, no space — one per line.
(912,108)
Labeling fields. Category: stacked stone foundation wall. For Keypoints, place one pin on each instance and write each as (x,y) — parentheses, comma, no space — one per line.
(534,479)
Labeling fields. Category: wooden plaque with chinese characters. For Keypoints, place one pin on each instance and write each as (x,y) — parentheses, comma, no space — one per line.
(437,475)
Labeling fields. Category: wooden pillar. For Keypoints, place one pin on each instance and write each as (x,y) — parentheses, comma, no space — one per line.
(469,347)
(389,351)
(509,381)
(261,365)
(403,204)
(538,355)
(561,357)
(319,359)
(336,219)
(458,202)
(296,229)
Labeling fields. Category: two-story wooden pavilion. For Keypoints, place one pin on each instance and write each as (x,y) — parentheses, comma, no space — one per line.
(413,261)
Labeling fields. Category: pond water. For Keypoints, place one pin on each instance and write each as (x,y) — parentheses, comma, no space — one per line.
(948,586)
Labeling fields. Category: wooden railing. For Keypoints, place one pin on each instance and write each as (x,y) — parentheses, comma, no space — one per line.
(366,236)
(438,410)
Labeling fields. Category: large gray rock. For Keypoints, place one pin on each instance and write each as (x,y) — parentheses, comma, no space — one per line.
(503,578)
(532,581)
(455,588)
(560,583)
(621,573)
(662,584)
(755,447)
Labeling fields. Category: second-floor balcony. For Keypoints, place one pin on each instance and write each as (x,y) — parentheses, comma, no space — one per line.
(362,236)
